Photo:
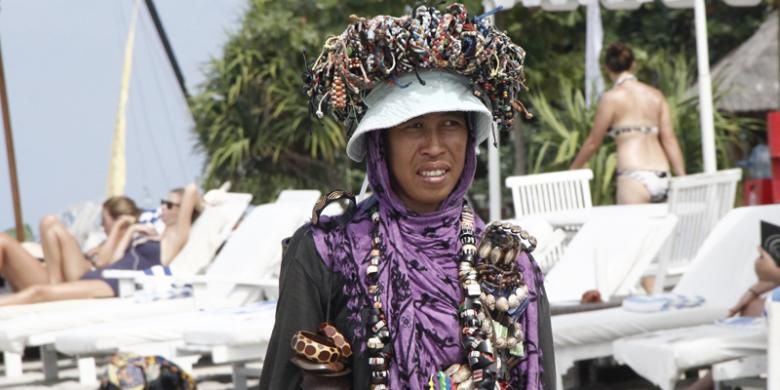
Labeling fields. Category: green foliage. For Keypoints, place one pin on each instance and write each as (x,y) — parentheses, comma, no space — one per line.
(252,118)
(28,232)
(674,76)
(560,129)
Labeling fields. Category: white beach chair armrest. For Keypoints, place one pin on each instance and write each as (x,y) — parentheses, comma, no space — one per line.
(130,280)
(127,280)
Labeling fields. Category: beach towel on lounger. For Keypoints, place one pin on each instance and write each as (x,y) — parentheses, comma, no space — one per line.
(661,302)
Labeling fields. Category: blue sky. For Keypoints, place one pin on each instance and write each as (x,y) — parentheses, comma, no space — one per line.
(63,60)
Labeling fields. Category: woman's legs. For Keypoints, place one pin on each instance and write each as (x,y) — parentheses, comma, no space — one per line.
(64,260)
(19,268)
(78,289)
(630,191)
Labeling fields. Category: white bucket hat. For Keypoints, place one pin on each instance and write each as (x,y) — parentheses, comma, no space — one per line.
(389,104)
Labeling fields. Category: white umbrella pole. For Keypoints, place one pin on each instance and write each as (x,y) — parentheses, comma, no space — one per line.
(494,166)
(494,178)
(705,89)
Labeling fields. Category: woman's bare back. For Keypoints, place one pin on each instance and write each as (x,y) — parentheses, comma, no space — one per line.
(636,106)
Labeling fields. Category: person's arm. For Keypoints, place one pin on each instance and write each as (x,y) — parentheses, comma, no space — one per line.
(105,252)
(189,200)
(299,307)
(601,122)
(766,269)
(752,293)
(127,237)
(669,141)
(769,277)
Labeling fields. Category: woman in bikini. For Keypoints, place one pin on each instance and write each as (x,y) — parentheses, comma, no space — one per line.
(140,247)
(62,253)
(63,259)
(637,117)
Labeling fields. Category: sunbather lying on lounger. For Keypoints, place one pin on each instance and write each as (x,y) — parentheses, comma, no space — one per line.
(751,304)
(64,259)
(140,247)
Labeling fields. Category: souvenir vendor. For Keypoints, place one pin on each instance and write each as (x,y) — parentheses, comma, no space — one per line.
(410,289)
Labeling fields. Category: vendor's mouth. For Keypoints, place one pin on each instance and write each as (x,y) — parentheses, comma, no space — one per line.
(433,176)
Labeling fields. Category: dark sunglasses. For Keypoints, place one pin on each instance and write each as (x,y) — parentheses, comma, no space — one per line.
(168,204)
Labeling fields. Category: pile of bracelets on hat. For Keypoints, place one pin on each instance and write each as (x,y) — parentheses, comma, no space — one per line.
(377,50)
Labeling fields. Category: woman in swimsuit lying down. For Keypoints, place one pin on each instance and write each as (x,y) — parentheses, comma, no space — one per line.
(64,260)
(637,117)
(139,248)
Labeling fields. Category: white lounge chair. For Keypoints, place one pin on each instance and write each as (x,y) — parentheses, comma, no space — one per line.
(609,252)
(699,201)
(237,339)
(756,370)
(245,271)
(662,356)
(35,325)
(721,270)
(553,191)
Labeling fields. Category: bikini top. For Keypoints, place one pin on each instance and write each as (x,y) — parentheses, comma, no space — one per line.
(616,131)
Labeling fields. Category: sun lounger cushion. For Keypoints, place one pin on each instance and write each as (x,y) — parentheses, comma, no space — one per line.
(611,324)
(40,328)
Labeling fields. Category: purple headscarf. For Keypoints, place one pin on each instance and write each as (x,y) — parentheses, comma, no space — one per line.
(418,276)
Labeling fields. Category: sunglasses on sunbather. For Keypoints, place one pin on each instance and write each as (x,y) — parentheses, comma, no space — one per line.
(168,204)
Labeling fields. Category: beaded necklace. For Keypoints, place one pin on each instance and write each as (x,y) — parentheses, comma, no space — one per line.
(492,339)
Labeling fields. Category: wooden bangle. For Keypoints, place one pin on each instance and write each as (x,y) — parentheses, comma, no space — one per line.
(330,331)
(314,347)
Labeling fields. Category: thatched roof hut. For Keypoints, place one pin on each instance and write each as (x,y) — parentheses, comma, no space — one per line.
(749,76)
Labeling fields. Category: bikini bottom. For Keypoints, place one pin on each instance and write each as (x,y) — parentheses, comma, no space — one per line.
(656,182)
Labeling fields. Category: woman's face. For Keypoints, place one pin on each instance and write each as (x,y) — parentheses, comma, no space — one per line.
(170,208)
(106,221)
(426,158)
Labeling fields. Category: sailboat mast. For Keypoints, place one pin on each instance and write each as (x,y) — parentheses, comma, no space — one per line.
(167,46)
(9,149)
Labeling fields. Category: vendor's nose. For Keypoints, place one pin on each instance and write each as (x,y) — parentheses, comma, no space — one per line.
(433,143)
